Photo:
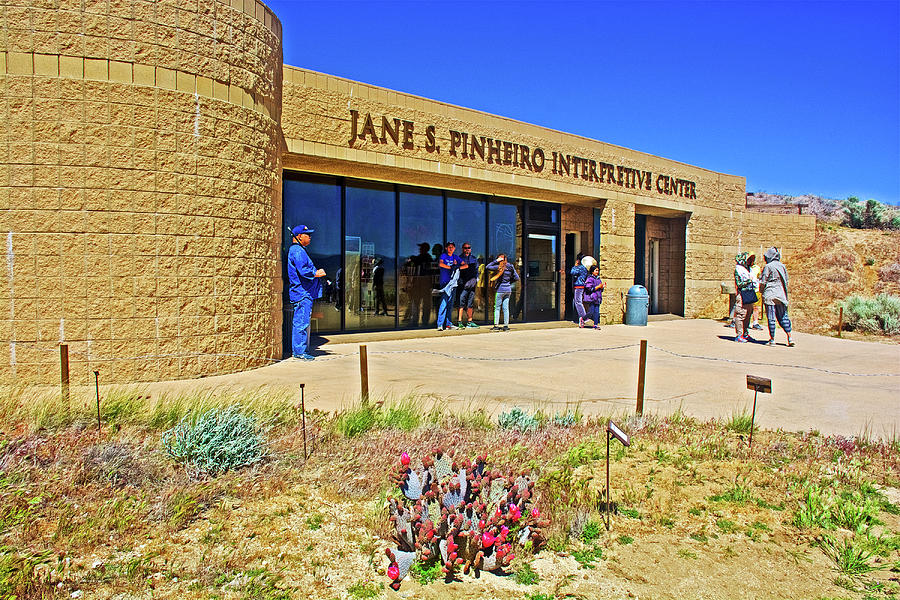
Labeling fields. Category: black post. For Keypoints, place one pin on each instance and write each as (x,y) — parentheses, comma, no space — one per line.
(607,479)
(97,384)
(753,417)
(303,416)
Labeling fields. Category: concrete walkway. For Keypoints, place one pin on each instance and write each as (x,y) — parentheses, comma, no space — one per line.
(831,385)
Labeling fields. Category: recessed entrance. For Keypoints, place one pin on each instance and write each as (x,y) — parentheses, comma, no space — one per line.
(541,275)
(659,251)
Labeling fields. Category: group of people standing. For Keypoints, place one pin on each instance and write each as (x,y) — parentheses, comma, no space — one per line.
(587,290)
(770,286)
(463,272)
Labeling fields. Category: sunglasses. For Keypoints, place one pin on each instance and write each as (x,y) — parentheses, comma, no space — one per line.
(467,247)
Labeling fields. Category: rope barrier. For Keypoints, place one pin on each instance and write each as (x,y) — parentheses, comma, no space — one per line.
(764,364)
(472,358)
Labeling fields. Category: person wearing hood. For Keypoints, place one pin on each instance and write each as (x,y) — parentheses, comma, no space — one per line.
(773,282)
(746,296)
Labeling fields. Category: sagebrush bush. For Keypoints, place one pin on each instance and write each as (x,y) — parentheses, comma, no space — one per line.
(890,272)
(217,441)
(880,314)
(517,419)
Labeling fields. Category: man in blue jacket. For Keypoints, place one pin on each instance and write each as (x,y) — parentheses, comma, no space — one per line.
(304,288)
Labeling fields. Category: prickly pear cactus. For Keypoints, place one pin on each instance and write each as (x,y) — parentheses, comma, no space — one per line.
(463,518)
(443,466)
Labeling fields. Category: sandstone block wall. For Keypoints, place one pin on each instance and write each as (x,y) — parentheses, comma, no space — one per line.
(708,231)
(140,187)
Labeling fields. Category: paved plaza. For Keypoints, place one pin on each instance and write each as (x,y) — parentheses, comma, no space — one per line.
(831,385)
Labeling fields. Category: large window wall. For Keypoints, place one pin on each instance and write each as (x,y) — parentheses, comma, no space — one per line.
(380,243)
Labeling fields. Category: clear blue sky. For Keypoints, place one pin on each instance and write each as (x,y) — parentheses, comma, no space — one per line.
(798,97)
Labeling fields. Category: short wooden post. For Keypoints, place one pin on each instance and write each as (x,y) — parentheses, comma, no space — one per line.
(642,369)
(363,373)
(64,372)
(841,322)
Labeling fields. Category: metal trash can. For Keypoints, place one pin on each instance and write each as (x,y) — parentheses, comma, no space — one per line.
(637,305)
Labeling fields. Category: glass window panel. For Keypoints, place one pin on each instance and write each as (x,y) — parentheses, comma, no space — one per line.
(370,274)
(505,236)
(421,228)
(465,223)
(314,202)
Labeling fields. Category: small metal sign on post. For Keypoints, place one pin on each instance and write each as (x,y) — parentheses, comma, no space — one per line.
(757,384)
(612,430)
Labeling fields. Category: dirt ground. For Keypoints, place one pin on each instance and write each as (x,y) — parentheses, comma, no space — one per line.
(697,515)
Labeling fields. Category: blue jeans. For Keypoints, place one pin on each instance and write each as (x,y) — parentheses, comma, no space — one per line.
(593,308)
(578,301)
(445,309)
(300,333)
(777,311)
(501,301)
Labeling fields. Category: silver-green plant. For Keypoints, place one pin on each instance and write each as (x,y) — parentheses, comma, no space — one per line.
(216,441)
(880,314)
(517,419)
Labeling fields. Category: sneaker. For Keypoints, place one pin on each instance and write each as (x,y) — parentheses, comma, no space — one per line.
(771,342)
(440,328)
(790,341)
(472,325)
(495,328)
(506,328)
(460,326)
(580,322)
(308,357)
(756,326)
(597,327)
(742,339)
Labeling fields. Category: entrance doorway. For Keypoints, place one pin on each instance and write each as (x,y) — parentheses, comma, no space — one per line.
(653,279)
(659,255)
(541,275)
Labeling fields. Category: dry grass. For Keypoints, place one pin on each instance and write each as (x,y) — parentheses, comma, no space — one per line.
(113,516)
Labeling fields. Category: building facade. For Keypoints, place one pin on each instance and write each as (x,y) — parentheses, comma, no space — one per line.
(156,154)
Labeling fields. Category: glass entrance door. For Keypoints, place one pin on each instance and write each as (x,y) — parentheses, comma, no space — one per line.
(541,277)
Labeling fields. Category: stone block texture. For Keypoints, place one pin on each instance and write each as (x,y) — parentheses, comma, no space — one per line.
(140,188)
(142,149)
(698,236)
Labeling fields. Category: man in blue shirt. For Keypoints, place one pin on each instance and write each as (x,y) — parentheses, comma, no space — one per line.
(449,267)
(304,288)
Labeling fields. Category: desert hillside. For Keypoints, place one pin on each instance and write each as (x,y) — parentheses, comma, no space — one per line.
(841,262)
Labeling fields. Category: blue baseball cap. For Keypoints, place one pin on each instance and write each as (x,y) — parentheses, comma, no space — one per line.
(300,229)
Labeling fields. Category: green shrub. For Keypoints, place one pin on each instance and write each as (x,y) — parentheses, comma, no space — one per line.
(880,314)
(850,555)
(815,508)
(217,441)
(740,422)
(526,575)
(517,419)
(357,420)
(425,574)
(17,574)
(591,531)
(567,419)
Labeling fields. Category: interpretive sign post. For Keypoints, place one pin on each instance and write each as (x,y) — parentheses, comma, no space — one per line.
(612,430)
(757,384)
